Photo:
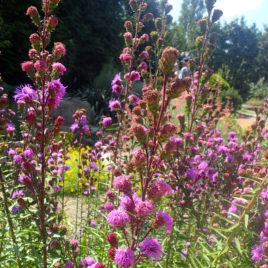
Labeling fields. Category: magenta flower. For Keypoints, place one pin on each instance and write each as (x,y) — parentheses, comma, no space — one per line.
(11,152)
(74,126)
(56,92)
(114,104)
(134,76)
(10,127)
(59,68)
(83,120)
(28,153)
(17,193)
(106,121)
(15,210)
(85,129)
(133,99)
(257,254)
(93,223)
(122,183)
(143,67)
(124,257)
(117,218)
(165,219)
(69,264)
(127,203)
(117,85)
(88,261)
(151,248)
(40,66)
(25,93)
(144,55)
(125,57)
(18,159)
(159,188)
(108,206)
(264,195)
(144,208)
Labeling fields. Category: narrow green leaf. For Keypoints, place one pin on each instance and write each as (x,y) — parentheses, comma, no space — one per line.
(246,221)
(238,246)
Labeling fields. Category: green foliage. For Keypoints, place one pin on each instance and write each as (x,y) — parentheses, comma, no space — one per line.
(191,12)
(217,81)
(259,90)
(14,31)
(262,66)
(89,38)
(226,92)
(234,96)
(237,48)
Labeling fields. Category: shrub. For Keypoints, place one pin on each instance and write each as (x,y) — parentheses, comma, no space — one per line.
(227,93)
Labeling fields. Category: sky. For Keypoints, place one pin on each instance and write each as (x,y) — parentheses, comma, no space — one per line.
(254,11)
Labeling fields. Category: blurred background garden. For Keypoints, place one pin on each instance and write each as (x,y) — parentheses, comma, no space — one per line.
(240,61)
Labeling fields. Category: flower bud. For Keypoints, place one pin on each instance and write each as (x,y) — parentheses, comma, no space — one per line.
(40,66)
(151,97)
(140,132)
(189,100)
(210,4)
(203,25)
(168,130)
(177,87)
(27,66)
(34,14)
(168,59)
(133,4)
(34,38)
(265,248)
(52,23)
(111,238)
(112,252)
(144,38)
(144,55)
(217,13)
(168,8)
(125,58)
(59,50)
(139,159)
(128,25)
(128,38)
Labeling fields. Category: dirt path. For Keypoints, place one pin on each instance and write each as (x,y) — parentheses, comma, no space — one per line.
(70,210)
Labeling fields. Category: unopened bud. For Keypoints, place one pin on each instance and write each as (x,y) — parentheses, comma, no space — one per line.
(128,25)
(203,25)
(133,4)
(151,97)
(52,22)
(177,87)
(168,59)
(27,66)
(168,8)
(216,15)
(128,38)
(210,4)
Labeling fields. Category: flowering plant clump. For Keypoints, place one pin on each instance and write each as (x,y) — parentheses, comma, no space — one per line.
(154,189)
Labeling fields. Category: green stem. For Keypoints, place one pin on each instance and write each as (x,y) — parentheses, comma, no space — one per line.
(10,223)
